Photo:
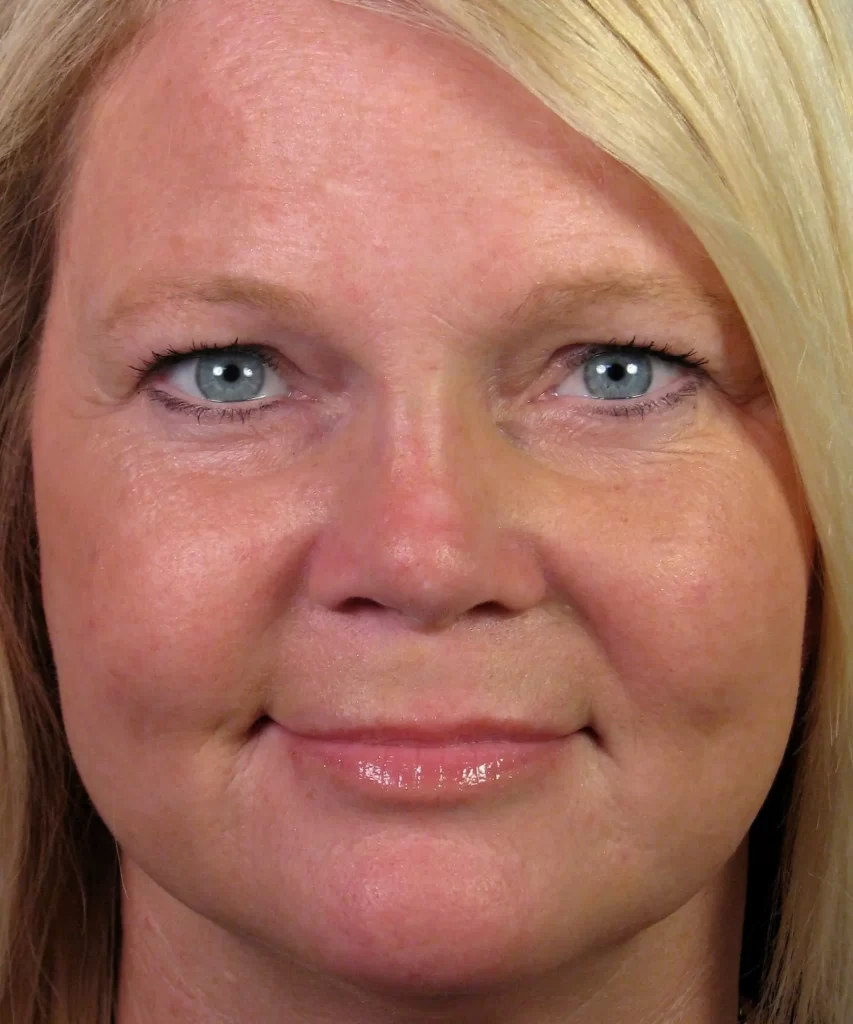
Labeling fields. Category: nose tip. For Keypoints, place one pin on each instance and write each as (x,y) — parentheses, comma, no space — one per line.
(432,584)
(427,547)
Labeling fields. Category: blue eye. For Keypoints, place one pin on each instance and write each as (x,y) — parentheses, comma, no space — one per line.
(620,372)
(230,376)
(234,375)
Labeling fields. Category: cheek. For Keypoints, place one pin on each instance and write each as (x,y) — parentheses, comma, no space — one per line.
(696,594)
(163,594)
(707,599)
(169,593)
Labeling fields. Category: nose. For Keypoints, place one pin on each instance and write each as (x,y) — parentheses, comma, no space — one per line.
(428,523)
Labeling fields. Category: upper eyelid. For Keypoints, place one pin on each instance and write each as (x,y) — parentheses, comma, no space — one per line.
(171,356)
(584,349)
(659,350)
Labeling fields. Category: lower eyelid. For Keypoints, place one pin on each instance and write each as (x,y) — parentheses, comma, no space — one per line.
(219,412)
(641,407)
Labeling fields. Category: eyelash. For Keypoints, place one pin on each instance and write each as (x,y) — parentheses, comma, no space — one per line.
(171,356)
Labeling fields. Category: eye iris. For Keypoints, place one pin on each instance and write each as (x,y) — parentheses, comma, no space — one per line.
(618,375)
(230,377)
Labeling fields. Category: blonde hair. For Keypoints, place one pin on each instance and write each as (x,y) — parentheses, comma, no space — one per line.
(738,112)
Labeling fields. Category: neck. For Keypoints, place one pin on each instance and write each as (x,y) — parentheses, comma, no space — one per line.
(179,967)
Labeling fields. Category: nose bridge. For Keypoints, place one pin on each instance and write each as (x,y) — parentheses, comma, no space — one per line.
(423,491)
(420,527)
(425,443)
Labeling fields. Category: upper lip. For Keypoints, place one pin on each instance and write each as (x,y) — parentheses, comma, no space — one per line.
(432,733)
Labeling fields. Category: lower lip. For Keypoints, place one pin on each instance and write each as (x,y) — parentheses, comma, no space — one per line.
(411,772)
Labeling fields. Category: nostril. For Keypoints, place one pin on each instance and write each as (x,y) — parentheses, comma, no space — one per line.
(492,609)
(259,726)
(356,604)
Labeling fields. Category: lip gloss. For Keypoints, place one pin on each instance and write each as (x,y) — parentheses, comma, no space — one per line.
(412,771)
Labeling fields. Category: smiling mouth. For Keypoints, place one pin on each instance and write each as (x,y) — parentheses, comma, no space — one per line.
(405,764)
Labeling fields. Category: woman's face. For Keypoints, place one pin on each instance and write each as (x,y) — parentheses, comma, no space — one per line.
(544,606)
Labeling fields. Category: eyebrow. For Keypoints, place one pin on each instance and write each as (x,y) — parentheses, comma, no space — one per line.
(544,304)
(246,290)
(673,294)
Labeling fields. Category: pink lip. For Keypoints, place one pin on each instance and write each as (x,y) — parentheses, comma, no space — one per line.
(401,763)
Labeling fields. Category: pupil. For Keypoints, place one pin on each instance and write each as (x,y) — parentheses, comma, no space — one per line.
(231,374)
(616,372)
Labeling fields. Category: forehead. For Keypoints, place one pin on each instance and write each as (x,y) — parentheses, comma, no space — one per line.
(352,153)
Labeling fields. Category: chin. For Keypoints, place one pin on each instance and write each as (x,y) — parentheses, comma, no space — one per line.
(428,966)
(429,916)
